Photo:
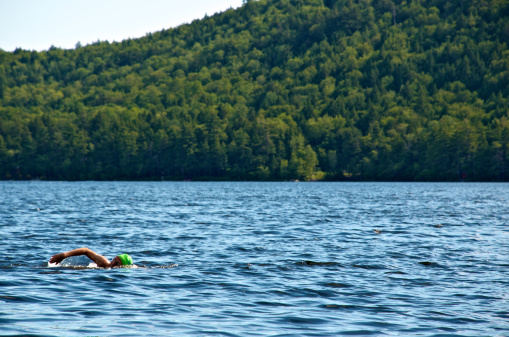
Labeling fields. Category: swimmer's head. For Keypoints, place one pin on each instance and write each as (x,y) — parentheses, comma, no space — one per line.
(121,260)
(125,260)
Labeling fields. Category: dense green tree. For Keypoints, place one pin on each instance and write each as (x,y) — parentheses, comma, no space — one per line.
(307,89)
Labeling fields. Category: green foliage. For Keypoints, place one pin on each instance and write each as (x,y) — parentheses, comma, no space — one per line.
(275,90)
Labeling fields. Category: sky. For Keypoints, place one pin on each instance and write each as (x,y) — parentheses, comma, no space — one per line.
(38,25)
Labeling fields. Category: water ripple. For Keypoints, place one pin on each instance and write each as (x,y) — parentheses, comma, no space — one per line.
(256,259)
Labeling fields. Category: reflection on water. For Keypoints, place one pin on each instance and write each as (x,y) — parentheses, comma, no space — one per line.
(255,259)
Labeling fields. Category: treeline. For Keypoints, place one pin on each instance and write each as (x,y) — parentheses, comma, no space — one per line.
(275,90)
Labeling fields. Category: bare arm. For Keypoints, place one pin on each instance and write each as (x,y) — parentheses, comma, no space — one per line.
(100,260)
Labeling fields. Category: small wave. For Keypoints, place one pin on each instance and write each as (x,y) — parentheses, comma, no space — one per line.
(273,304)
(368,266)
(164,267)
(303,320)
(338,285)
(340,306)
(24,299)
(397,272)
(185,237)
(315,263)
(430,264)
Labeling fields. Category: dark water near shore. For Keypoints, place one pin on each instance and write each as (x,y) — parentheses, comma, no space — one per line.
(256,259)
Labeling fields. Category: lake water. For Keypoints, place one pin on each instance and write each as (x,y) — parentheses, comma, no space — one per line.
(256,259)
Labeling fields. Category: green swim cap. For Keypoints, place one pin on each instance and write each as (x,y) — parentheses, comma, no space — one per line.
(125,260)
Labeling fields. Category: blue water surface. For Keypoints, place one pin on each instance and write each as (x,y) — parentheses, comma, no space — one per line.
(256,259)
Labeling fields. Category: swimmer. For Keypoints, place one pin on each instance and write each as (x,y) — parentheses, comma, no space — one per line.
(100,261)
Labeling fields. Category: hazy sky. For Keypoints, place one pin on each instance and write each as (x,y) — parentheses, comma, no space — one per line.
(39,24)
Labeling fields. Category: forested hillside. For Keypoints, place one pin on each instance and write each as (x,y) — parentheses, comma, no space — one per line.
(274,90)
